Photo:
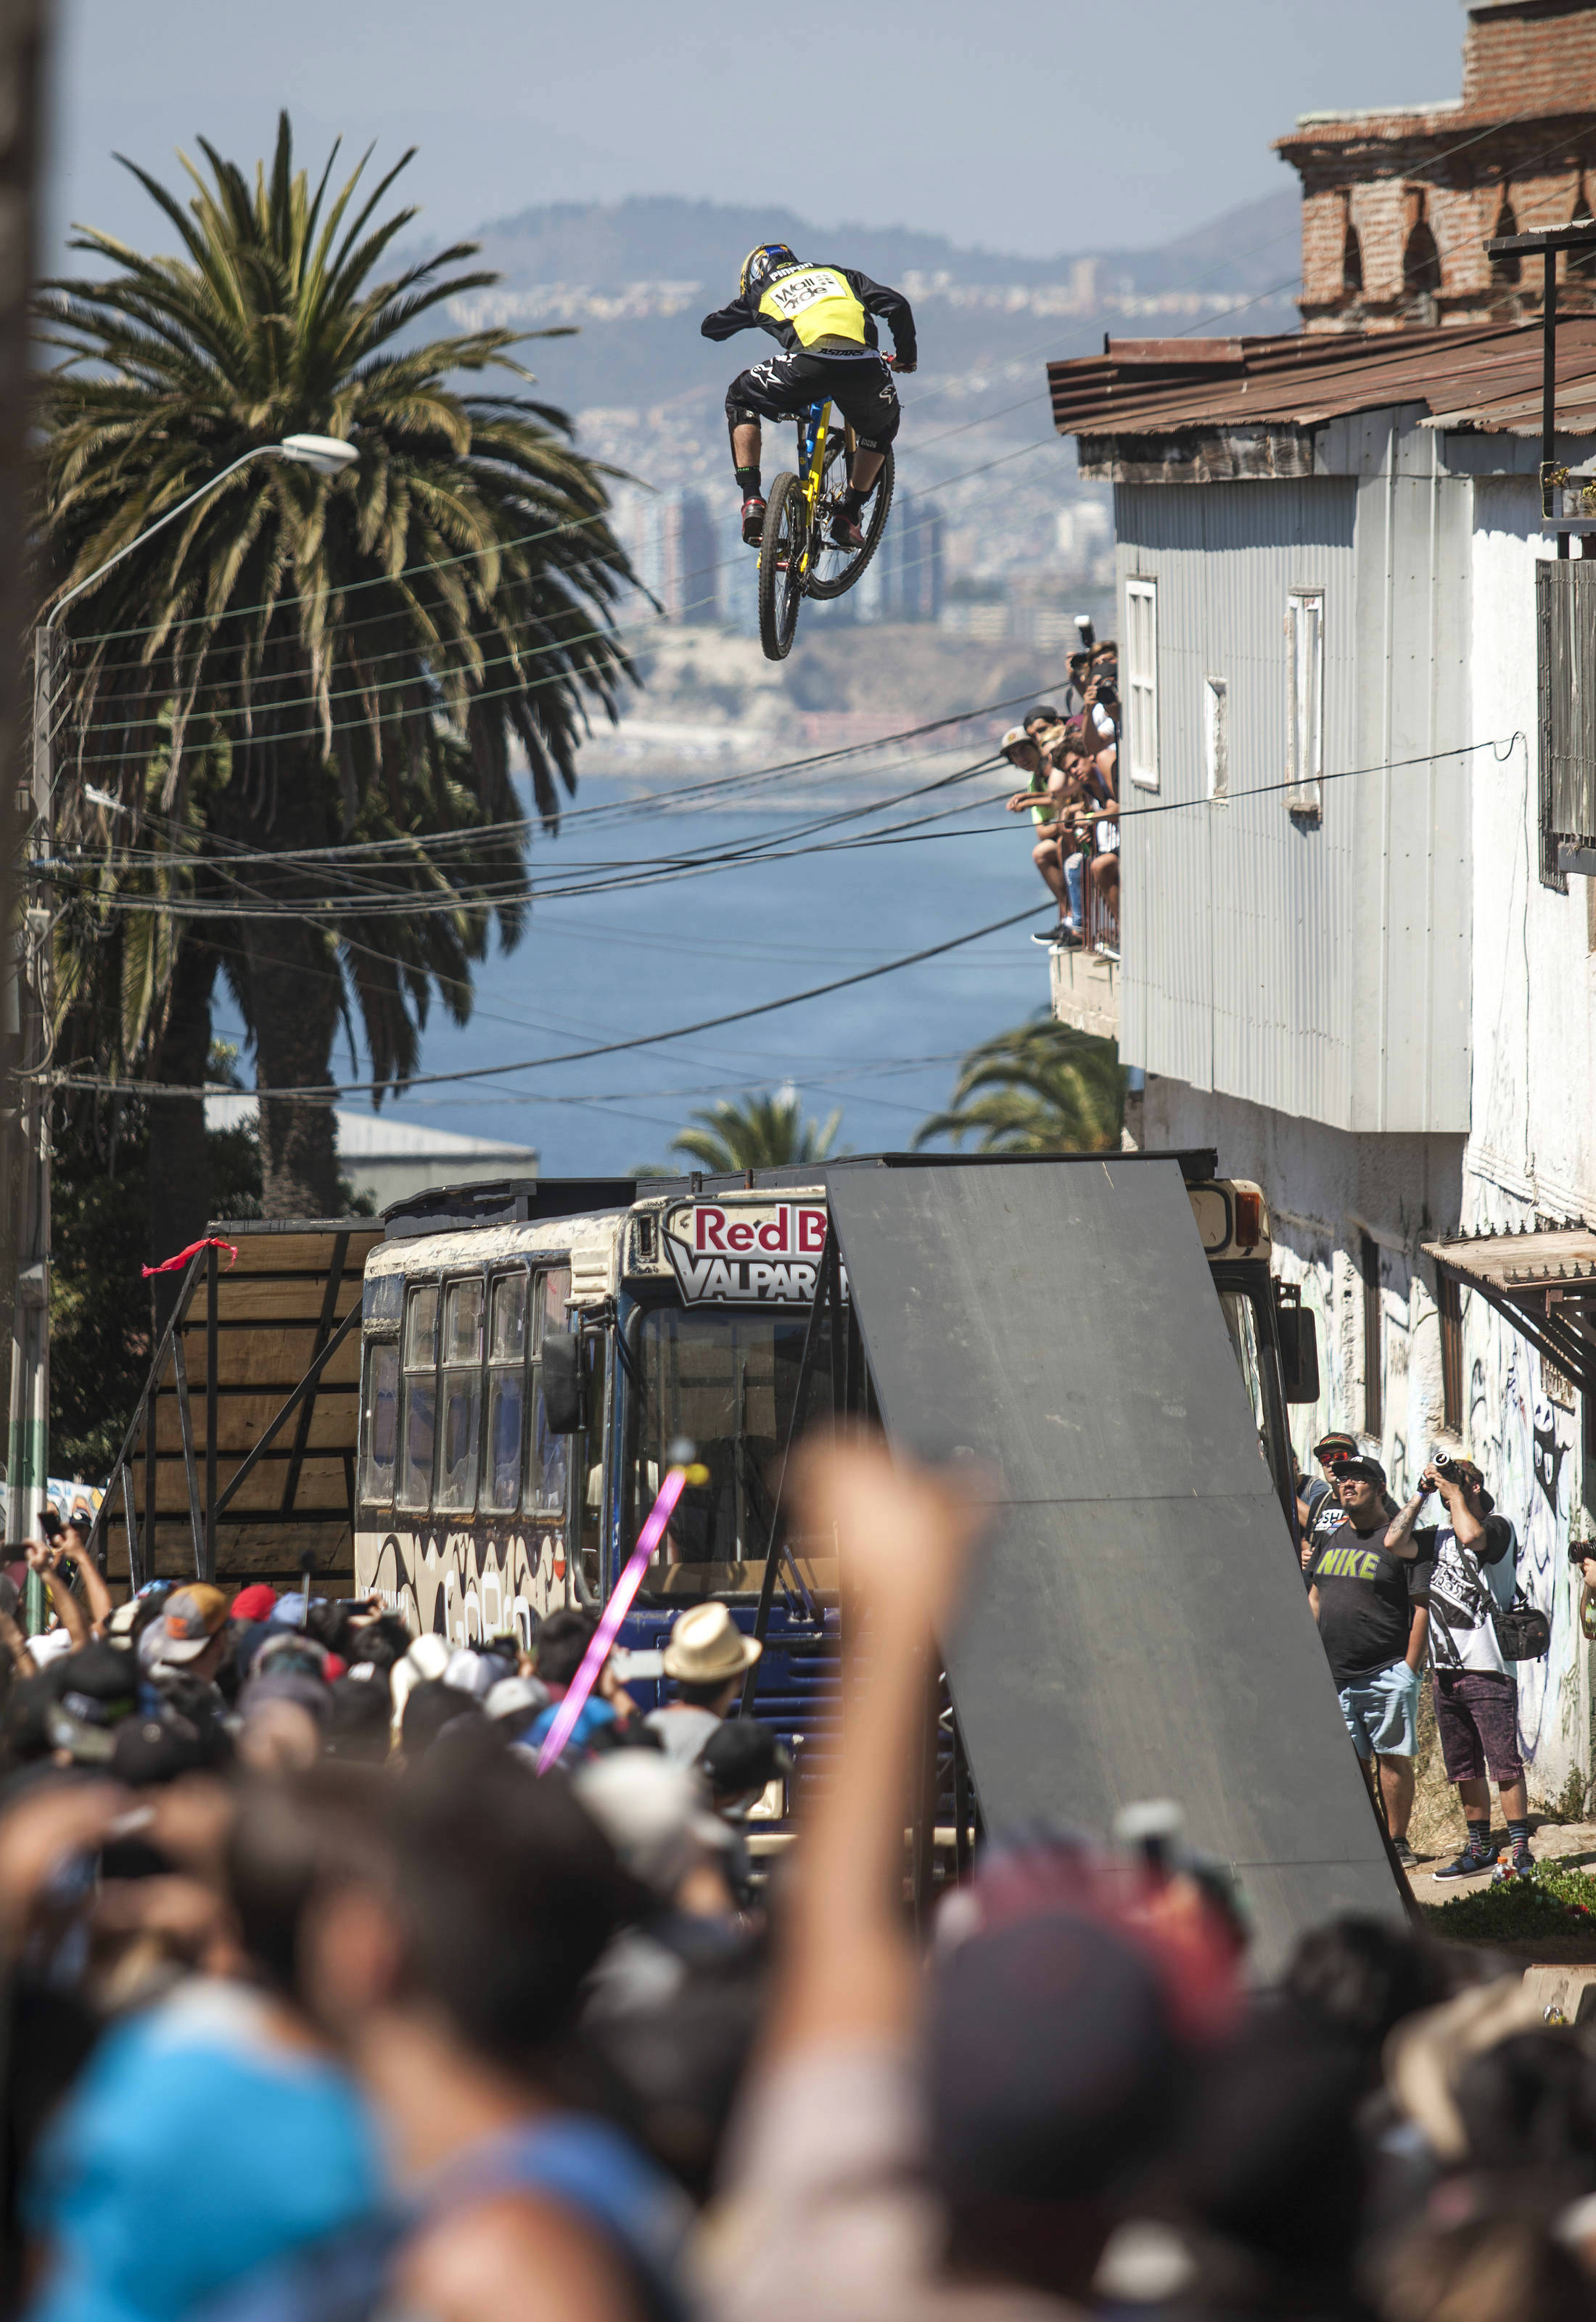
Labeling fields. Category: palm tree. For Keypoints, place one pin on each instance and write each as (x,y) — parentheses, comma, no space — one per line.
(757,1132)
(300,665)
(1040,1088)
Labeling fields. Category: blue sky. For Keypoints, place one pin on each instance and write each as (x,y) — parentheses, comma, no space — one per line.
(1031,125)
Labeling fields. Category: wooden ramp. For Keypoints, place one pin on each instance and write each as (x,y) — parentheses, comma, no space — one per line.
(241,1455)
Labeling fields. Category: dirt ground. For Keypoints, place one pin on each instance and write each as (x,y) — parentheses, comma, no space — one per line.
(1439,1831)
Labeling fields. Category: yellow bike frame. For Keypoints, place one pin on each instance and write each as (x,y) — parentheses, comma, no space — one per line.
(811,480)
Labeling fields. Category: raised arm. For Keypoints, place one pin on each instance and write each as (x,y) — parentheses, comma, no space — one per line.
(727,321)
(43,1558)
(1399,1535)
(850,1973)
(894,310)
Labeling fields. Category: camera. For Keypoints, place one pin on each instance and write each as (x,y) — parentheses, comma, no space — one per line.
(1444,1465)
(1085,630)
(50,1524)
(1579,1551)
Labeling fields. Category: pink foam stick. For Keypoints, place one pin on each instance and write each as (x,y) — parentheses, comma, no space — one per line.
(614,1613)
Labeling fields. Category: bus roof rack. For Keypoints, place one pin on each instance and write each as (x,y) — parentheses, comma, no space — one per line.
(504,1201)
(517,1201)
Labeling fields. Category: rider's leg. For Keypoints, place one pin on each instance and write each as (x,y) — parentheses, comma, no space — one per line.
(745,456)
(866,468)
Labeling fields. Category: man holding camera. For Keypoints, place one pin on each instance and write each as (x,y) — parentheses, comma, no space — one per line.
(1372,1609)
(1472,1556)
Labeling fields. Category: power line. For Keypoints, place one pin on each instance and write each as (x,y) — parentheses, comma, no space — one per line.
(322,1091)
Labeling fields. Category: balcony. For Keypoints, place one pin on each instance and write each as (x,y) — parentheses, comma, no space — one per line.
(1086,981)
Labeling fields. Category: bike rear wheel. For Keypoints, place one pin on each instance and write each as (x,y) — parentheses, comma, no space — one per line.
(780,568)
(833,570)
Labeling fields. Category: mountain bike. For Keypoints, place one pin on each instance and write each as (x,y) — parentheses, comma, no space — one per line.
(796,556)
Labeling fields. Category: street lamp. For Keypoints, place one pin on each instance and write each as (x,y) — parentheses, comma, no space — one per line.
(28,1448)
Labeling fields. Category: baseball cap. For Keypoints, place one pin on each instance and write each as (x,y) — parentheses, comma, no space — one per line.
(1471,1468)
(1370,1469)
(1336,1447)
(193,1616)
(258,1602)
(1016,734)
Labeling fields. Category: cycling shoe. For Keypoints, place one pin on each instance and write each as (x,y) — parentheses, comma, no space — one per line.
(846,531)
(753,522)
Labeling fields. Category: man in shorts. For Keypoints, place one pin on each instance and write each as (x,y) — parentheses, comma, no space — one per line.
(1473,1557)
(1372,1609)
(822,319)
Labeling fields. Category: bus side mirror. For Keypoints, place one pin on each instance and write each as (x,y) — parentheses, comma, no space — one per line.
(1298,1345)
(564,1400)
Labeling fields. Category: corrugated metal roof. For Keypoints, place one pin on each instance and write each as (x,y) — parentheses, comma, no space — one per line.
(1484,375)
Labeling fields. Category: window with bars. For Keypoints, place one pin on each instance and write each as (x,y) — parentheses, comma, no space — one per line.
(452,1417)
(1216,737)
(1373,1340)
(1140,681)
(1449,1306)
(1305,700)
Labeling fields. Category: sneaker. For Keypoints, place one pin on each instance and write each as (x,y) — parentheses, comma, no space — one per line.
(753,521)
(1521,1862)
(846,531)
(1404,1854)
(1470,1863)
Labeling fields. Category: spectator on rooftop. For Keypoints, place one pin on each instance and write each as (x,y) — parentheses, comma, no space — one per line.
(1042,799)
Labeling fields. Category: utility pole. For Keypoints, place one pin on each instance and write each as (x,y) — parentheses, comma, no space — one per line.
(27,1465)
(23,1105)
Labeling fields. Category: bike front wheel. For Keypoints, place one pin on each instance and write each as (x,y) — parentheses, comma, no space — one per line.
(781,567)
(835,569)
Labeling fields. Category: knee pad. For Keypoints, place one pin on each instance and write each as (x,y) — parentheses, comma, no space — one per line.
(740,415)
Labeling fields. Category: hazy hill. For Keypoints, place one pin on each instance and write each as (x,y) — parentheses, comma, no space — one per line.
(613,244)
(635,277)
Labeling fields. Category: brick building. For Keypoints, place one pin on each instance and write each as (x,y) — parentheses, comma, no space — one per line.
(1397,202)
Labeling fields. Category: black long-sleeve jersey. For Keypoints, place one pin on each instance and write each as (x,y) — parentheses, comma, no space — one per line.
(809,305)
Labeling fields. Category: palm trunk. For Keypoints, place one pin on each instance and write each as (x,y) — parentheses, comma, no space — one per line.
(179,1159)
(293,1013)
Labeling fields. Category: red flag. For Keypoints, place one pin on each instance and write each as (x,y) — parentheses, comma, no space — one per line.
(211,1241)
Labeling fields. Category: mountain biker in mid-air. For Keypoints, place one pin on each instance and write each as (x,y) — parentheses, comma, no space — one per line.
(823,317)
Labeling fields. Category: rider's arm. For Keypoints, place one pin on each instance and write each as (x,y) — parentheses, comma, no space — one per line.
(727,321)
(891,305)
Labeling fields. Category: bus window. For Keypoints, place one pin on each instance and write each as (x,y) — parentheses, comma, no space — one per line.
(726,1380)
(548,1456)
(379,1421)
(462,1396)
(1242,1326)
(420,1395)
(506,1392)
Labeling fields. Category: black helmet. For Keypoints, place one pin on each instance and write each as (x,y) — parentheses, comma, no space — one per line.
(761,262)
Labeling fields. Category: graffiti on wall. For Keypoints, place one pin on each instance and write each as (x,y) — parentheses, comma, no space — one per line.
(1523,1442)
(466,1586)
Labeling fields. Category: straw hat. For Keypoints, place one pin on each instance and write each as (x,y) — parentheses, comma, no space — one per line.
(707,1646)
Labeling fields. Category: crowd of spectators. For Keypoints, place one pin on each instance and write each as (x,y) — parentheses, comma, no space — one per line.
(321,2002)
(1070,759)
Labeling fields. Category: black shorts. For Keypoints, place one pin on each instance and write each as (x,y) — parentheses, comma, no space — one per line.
(860,386)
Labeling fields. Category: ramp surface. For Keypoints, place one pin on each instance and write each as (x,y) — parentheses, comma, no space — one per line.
(1136,1625)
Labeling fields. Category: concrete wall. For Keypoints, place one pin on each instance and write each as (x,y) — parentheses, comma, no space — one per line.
(1318,966)
(1530,1152)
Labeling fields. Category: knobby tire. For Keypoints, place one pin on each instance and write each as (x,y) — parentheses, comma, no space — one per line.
(780,579)
(834,571)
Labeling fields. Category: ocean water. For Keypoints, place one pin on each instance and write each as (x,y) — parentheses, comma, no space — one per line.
(609,963)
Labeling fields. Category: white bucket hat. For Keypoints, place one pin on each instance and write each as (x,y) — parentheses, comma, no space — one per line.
(706,1646)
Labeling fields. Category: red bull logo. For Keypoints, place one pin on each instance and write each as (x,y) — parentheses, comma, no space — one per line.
(753,1253)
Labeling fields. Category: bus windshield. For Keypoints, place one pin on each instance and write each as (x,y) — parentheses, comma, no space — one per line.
(725,1379)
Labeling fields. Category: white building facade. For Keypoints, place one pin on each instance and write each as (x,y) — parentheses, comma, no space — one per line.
(1347,960)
